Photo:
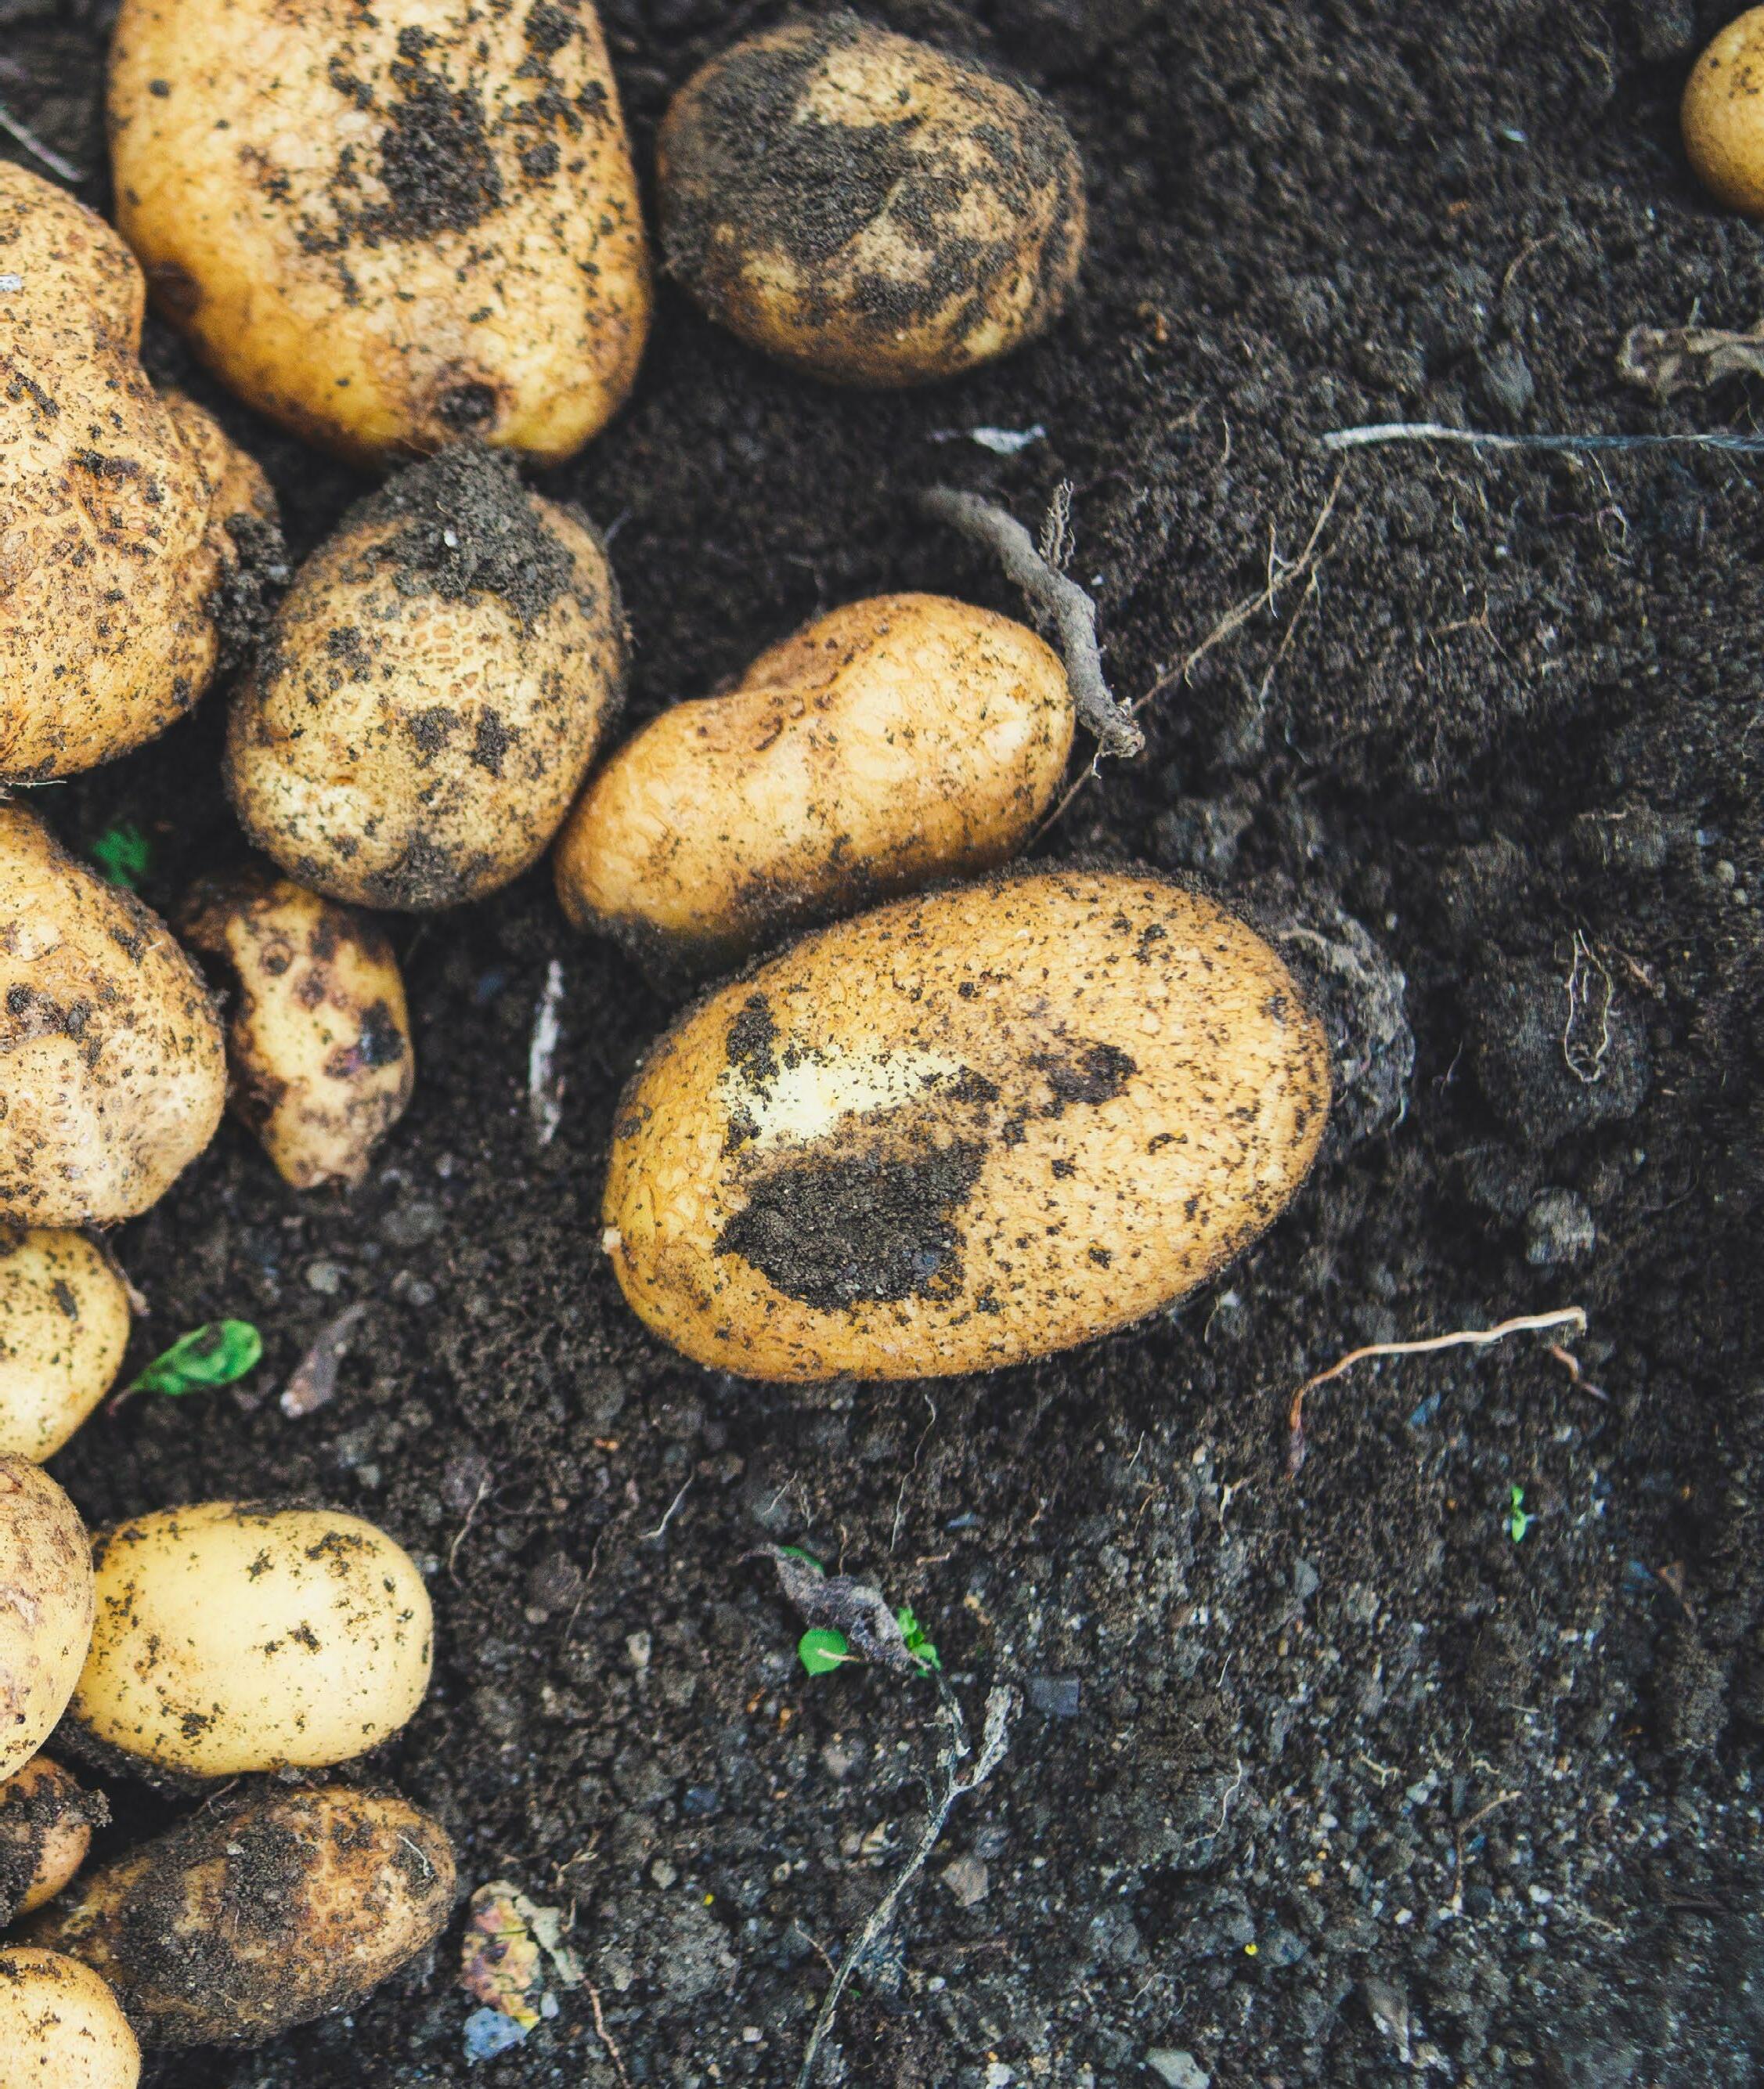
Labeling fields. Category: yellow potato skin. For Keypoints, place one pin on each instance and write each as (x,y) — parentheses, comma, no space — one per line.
(45,1620)
(46,1830)
(388,228)
(113,503)
(891,743)
(112,1074)
(408,738)
(964,1131)
(61,2027)
(259,1912)
(866,207)
(64,1326)
(319,1041)
(1723,115)
(233,1637)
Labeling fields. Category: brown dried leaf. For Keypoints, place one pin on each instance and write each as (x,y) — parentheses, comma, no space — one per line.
(1668,360)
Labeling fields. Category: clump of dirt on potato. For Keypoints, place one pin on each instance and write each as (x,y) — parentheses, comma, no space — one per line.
(867,207)
(45,1829)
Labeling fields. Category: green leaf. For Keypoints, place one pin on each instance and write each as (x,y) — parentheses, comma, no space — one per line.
(1518,1522)
(819,1651)
(123,853)
(216,1353)
(808,1559)
(918,1644)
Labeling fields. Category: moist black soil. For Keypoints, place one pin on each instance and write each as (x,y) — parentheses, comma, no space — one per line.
(1436,1760)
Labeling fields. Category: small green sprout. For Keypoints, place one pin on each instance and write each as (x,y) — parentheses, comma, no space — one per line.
(1518,1522)
(821,1650)
(216,1353)
(123,853)
(796,1552)
(918,1645)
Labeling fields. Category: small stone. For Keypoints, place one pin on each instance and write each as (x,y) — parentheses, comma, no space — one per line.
(663,1873)
(967,1880)
(1058,1695)
(410,1224)
(1507,382)
(1179,2068)
(1306,1580)
(326,1278)
(410,1289)
(1559,1230)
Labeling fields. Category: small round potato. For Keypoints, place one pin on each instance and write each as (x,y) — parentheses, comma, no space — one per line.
(112,1070)
(388,227)
(124,517)
(64,1326)
(236,1635)
(61,2027)
(964,1131)
(431,692)
(894,742)
(45,1829)
(867,208)
(319,1040)
(261,1912)
(1723,115)
(46,1606)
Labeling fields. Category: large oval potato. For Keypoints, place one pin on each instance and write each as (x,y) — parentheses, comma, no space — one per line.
(112,1070)
(431,692)
(868,208)
(319,1042)
(46,1606)
(889,744)
(388,227)
(64,1327)
(235,1636)
(964,1131)
(125,518)
(263,1911)
(61,2027)
(45,1829)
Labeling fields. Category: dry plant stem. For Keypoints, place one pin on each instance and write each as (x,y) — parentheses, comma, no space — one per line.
(1001,1708)
(35,146)
(605,2037)
(1569,1316)
(1436,431)
(1064,604)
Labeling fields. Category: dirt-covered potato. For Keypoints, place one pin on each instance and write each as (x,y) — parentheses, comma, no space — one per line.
(130,529)
(45,1829)
(1723,115)
(964,1129)
(388,227)
(318,1038)
(64,1325)
(113,1072)
(260,1912)
(236,1635)
(46,1606)
(426,704)
(892,743)
(61,2027)
(867,208)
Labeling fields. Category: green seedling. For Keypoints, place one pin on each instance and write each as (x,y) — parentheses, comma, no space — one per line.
(821,1650)
(124,854)
(215,1353)
(918,1645)
(1518,1522)
(796,1552)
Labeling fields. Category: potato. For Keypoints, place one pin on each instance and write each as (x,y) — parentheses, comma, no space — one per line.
(45,1829)
(893,742)
(866,207)
(1723,115)
(46,1605)
(125,518)
(64,1326)
(236,1635)
(389,227)
(319,1039)
(964,1129)
(431,693)
(260,1912)
(60,2025)
(113,1072)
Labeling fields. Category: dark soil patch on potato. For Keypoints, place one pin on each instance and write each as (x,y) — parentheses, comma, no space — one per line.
(1324,1781)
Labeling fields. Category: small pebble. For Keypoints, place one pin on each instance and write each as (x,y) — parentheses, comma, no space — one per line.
(1558,1230)
(1179,2068)
(967,1880)
(1056,1695)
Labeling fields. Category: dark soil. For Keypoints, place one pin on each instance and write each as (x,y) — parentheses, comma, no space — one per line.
(1323,1779)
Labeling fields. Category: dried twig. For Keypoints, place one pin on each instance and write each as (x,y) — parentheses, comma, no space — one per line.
(313,1384)
(35,146)
(1061,602)
(1666,360)
(1001,1708)
(1569,1316)
(1436,431)
(544,1086)
(605,2037)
